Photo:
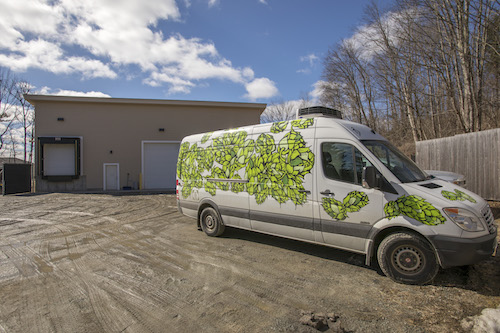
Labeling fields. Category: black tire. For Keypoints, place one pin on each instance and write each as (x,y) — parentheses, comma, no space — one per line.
(407,258)
(211,222)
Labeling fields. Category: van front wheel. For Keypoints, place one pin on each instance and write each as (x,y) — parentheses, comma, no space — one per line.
(407,258)
(211,222)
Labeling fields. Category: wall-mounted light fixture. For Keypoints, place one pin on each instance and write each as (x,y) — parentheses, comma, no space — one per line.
(161,130)
(60,119)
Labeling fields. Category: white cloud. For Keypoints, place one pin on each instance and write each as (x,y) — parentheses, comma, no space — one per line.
(318,90)
(47,56)
(311,60)
(23,18)
(62,92)
(287,109)
(261,88)
(212,3)
(30,16)
(366,40)
(43,34)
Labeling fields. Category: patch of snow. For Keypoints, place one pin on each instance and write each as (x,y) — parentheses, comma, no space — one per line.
(487,322)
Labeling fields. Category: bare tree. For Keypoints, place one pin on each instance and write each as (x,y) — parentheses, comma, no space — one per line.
(25,116)
(282,110)
(350,79)
(16,116)
(427,69)
(7,103)
(331,95)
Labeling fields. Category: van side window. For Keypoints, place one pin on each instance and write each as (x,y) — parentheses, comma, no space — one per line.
(342,161)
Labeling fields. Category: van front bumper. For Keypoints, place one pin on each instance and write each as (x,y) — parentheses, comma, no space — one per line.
(454,251)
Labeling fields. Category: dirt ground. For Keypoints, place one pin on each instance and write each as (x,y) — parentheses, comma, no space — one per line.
(132,263)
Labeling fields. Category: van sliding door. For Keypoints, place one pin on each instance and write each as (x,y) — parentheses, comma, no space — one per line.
(281,200)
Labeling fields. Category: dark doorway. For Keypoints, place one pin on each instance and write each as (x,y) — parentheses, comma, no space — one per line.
(16,178)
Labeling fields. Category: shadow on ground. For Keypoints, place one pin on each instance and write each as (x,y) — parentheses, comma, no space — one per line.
(481,278)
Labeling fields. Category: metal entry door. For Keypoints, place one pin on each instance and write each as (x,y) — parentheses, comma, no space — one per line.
(111,176)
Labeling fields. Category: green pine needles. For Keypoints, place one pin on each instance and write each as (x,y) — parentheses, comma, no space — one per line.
(272,170)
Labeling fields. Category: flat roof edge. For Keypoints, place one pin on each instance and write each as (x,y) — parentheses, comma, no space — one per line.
(34,98)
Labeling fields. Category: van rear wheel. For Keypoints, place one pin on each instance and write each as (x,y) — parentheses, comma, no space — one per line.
(407,258)
(211,222)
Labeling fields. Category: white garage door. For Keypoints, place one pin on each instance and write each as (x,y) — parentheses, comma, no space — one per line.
(59,160)
(159,164)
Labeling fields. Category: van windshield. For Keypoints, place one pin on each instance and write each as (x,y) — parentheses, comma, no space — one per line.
(400,165)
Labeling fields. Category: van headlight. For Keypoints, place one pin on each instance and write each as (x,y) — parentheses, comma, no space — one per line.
(464,219)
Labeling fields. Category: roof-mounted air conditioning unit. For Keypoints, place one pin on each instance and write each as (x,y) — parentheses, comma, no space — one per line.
(319,111)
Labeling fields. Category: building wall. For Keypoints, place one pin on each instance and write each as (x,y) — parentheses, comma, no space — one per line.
(113,132)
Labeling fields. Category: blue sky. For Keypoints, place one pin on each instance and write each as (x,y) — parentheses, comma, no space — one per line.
(215,50)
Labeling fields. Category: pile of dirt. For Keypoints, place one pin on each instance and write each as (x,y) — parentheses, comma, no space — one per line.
(321,321)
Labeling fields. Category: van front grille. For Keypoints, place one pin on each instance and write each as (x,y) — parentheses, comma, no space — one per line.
(490,220)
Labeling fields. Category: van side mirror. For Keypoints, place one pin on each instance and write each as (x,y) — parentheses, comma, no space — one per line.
(370,179)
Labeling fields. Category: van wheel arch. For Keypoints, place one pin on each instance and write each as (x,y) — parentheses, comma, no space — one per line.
(407,257)
(384,233)
(207,204)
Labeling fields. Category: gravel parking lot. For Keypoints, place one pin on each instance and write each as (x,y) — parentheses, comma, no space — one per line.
(132,263)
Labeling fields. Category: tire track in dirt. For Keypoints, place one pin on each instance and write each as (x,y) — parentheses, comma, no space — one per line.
(99,263)
(44,265)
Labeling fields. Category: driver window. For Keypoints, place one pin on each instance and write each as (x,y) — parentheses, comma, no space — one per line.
(342,161)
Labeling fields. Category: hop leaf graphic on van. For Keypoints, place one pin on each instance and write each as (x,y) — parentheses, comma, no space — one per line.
(457,195)
(334,208)
(206,136)
(302,123)
(270,169)
(279,127)
(279,171)
(353,202)
(416,208)
(232,152)
(391,209)
(190,168)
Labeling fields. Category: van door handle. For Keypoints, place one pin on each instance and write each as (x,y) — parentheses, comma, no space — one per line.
(327,192)
(304,191)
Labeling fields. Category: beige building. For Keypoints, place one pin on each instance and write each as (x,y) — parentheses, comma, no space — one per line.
(84,143)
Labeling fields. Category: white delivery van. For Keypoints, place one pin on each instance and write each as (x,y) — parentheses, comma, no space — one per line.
(328,181)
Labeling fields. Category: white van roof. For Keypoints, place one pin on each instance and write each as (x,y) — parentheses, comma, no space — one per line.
(342,129)
(346,129)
